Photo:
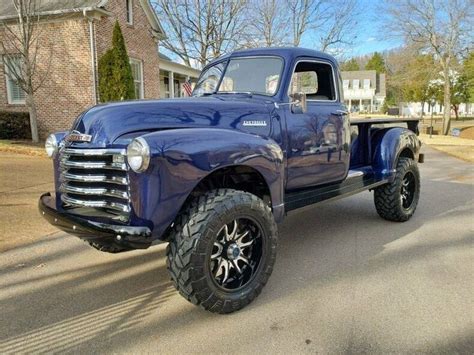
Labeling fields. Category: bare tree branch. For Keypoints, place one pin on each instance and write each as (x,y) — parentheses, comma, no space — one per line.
(442,27)
(200,30)
(22,45)
(267,23)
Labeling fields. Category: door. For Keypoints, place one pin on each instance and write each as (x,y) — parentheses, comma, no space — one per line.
(318,139)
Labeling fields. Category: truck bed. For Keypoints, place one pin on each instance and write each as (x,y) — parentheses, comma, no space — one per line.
(412,123)
(377,120)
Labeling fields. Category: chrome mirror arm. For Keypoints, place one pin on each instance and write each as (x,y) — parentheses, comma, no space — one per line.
(277,105)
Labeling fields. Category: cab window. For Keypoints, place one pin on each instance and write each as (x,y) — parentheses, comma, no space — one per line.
(314,79)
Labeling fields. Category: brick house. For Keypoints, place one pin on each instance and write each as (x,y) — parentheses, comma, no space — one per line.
(75,33)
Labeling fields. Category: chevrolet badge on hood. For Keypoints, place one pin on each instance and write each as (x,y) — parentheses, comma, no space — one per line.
(76,136)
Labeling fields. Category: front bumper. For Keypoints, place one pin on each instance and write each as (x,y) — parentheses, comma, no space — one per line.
(128,237)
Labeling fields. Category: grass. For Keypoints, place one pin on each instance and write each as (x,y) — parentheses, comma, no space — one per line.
(22,147)
(461,148)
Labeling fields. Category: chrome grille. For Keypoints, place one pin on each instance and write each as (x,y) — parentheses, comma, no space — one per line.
(95,182)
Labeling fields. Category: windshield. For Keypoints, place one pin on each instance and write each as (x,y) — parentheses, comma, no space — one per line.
(247,75)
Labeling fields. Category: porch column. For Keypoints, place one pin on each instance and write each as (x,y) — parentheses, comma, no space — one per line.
(350,105)
(171,83)
(371,105)
(360,105)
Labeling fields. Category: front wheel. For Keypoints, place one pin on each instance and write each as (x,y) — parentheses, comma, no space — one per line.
(221,252)
(397,200)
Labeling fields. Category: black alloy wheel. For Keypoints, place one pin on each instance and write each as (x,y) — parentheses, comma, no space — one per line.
(222,250)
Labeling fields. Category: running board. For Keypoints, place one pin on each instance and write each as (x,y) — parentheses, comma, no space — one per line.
(356,181)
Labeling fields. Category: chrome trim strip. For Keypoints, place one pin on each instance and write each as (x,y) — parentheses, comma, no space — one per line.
(95,191)
(65,163)
(96,204)
(99,151)
(95,178)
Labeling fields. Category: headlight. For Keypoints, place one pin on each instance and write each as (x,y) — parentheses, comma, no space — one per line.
(51,145)
(138,155)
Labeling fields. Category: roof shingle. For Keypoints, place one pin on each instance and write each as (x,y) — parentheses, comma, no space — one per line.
(7,8)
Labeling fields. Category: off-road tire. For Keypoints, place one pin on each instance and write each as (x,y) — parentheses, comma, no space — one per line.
(192,239)
(388,197)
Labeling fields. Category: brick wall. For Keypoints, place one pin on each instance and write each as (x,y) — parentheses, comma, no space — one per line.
(68,89)
(140,44)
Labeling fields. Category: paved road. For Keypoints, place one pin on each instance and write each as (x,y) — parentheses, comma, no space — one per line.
(22,179)
(344,281)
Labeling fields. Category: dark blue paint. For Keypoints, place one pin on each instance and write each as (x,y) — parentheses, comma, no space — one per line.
(182,158)
(387,145)
(194,137)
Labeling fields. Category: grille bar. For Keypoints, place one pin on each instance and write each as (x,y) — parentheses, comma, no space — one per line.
(97,179)
(65,163)
(94,191)
(94,152)
(97,204)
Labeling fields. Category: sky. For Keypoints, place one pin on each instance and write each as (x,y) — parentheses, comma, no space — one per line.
(369,36)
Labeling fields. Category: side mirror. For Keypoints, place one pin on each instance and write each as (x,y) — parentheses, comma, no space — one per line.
(298,105)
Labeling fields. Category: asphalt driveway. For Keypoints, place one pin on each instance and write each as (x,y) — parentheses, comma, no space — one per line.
(345,281)
(23,179)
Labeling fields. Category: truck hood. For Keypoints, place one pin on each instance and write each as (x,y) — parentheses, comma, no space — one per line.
(111,124)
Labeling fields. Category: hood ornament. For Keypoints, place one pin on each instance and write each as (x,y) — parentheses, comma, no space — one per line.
(76,136)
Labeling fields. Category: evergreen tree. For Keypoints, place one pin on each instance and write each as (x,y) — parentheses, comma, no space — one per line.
(350,65)
(115,73)
(377,63)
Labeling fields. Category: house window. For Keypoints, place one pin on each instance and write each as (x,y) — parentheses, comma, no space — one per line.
(137,73)
(15,94)
(355,84)
(345,84)
(129,5)
(366,84)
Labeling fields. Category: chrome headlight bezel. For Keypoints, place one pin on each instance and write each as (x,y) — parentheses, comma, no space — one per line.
(138,155)
(51,145)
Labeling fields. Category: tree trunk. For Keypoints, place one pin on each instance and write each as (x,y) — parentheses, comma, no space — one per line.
(447,101)
(456,114)
(30,103)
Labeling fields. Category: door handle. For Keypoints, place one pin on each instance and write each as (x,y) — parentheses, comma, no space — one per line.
(340,113)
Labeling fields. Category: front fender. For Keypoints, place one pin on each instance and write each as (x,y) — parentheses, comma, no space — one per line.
(181,158)
(387,145)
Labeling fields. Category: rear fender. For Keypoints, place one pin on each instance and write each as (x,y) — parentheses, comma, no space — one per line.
(181,158)
(387,146)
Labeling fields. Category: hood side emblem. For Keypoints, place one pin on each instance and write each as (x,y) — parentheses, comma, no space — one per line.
(254,123)
(76,136)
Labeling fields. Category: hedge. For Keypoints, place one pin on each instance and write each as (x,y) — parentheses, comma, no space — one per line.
(15,125)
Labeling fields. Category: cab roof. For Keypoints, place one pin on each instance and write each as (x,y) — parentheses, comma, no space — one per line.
(288,53)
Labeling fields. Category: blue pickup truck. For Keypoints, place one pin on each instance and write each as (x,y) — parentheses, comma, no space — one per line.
(265,132)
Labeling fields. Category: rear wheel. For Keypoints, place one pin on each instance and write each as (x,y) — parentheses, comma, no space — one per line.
(222,251)
(398,200)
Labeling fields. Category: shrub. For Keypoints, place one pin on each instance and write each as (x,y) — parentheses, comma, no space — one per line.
(15,125)
(115,73)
